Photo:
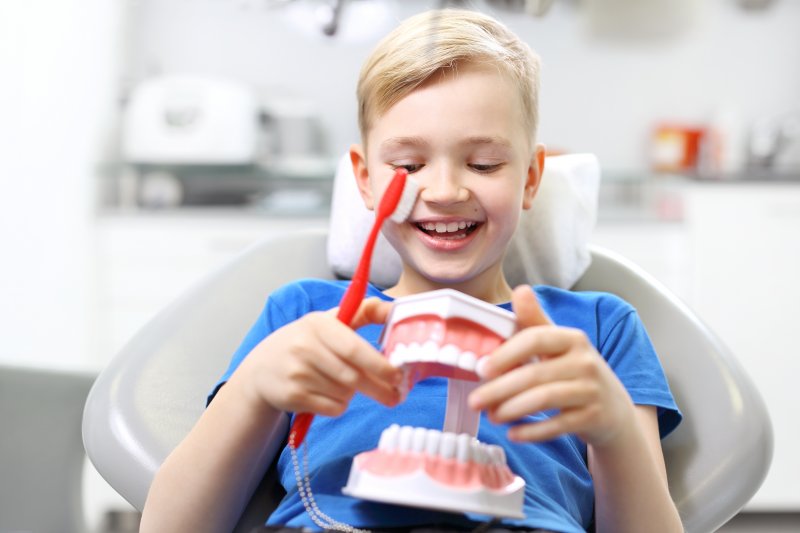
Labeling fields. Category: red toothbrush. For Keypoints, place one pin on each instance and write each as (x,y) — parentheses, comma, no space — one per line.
(396,203)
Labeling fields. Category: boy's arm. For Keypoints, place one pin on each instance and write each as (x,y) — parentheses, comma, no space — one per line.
(625,457)
(631,491)
(312,365)
(206,482)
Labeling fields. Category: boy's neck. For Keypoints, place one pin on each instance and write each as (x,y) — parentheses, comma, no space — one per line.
(490,286)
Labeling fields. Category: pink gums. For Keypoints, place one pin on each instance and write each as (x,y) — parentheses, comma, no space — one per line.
(449,472)
(467,335)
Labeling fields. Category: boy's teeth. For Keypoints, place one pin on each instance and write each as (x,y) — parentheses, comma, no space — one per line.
(446,227)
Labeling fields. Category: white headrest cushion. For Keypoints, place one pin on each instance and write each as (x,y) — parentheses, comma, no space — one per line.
(550,246)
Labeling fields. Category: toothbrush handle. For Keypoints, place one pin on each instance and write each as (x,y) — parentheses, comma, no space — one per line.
(355,292)
(350,303)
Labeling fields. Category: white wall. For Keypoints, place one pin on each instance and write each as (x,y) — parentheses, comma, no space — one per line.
(599,94)
(58,83)
(60,63)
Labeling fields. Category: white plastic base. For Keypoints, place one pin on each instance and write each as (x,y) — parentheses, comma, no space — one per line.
(419,490)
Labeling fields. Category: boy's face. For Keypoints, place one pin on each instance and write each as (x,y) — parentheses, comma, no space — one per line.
(462,137)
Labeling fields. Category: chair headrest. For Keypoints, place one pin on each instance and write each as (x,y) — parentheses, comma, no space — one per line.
(550,246)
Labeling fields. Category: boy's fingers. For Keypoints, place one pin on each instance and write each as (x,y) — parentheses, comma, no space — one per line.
(334,369)
(527,308)
(524,378)
(357,352)
(380,391)
(529,314)
(532,344)
(529,345)
(371,311)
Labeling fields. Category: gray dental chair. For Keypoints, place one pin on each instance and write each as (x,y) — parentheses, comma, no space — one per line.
(148,398)
(150,395)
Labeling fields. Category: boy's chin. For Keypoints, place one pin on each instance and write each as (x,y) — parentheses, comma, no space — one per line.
(445,276)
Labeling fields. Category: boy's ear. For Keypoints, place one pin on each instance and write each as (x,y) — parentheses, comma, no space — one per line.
(359,161)
(534,178)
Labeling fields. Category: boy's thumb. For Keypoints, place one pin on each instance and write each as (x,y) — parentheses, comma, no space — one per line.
(527,308)
(371,311)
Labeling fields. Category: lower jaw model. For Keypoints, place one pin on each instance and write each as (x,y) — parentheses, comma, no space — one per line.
(441,333)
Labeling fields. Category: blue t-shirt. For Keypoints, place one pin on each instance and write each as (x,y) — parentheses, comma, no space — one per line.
(559,494)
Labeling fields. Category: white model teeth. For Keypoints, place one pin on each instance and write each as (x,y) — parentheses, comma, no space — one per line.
(430,352)
(448,355)
(447,445)
(388,441)
(463,447)
(418,440)
(432,437)
(404,440)
(446,227)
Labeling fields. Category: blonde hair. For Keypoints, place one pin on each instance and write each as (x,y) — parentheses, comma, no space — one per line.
(440,40)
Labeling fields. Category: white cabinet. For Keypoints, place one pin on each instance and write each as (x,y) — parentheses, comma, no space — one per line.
(745,276)
(145,260)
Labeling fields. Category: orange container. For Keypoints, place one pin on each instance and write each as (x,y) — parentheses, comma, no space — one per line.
(676,148)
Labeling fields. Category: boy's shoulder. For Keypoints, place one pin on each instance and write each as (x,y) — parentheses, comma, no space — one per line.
(311,291)
(576,308)
(316,294)
(589,298)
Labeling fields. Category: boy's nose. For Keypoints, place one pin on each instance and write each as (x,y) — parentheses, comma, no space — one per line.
(443,187)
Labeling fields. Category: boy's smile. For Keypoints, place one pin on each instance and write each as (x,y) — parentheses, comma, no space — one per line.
(446,234)
(462,137)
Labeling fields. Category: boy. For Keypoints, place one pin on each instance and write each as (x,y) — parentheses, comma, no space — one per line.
(452,97)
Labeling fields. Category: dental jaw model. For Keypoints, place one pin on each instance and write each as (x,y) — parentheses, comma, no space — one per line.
(441,333)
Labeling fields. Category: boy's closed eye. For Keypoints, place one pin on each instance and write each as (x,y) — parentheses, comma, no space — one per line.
(485,168)
(481,168)
(410,167)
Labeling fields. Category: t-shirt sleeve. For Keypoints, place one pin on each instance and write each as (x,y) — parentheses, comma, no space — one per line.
(282,307)
(630,353)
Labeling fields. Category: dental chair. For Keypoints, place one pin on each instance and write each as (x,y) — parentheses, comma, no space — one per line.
(153,391)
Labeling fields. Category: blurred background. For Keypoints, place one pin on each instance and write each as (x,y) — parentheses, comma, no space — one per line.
(143,143)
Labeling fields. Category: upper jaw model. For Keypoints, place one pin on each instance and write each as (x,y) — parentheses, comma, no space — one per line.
(441,333)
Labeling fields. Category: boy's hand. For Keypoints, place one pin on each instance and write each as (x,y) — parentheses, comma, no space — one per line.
(569,376)
(316,364)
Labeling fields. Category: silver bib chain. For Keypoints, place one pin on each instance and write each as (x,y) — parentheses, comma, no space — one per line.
(307,497)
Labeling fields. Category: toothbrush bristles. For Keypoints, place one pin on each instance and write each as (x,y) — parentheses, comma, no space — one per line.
(407,201)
